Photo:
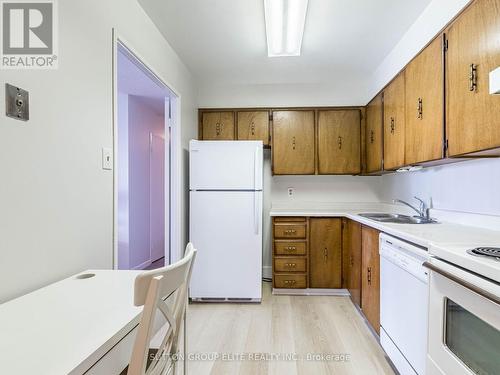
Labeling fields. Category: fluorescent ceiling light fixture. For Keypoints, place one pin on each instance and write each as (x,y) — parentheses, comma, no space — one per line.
(285,20)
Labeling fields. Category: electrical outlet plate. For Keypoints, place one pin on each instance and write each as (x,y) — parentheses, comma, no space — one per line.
(17,103)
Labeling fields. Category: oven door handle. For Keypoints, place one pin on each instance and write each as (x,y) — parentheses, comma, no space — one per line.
(484,293)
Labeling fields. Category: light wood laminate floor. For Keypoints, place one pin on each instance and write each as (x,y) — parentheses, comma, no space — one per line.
(282,325)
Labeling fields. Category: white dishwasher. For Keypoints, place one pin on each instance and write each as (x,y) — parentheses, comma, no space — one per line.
(404,299)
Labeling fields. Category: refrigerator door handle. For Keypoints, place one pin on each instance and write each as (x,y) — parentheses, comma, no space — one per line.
(256,168)
(256,211)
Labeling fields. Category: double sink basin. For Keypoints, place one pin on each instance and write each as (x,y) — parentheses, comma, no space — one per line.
(397,218)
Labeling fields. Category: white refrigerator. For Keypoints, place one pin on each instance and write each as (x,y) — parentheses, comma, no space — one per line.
(225,220)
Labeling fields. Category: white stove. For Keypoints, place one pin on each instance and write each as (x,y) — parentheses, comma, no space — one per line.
(472,258)
(464,309)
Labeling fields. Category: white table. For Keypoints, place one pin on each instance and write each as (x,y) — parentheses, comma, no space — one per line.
(74,326)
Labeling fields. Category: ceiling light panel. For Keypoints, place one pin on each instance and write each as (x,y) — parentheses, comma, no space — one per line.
(285,20)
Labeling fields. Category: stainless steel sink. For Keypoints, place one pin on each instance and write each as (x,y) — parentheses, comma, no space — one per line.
(397,218)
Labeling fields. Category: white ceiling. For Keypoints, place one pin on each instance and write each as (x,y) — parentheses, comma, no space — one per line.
(224,41)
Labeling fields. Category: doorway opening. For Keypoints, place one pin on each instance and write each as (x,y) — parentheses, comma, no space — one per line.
(143,170)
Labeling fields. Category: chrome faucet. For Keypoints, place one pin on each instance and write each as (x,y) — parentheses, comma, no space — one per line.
(423,211)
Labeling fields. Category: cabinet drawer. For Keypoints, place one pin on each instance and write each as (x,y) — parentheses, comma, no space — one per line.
(290,264)
(290,248)
(290,281)
(289,230)
(288,219)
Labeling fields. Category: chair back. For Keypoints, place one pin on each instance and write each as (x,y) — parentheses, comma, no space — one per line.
(151,290)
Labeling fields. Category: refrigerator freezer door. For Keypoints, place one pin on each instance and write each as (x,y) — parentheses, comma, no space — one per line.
(225,165)
(226,228)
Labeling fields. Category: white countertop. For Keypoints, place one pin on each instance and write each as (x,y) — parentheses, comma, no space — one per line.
(426,235)
(67,326)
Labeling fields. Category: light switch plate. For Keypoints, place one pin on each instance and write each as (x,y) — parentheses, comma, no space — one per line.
(17,103)
(107,158)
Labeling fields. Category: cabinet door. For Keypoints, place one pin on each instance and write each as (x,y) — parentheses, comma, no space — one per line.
(339,142)
(394,123)
(253,126)
(351,248)
(325,253)
(424,105)
(472,113)
(373,136)
(218,126)
(370,277)
(293,142)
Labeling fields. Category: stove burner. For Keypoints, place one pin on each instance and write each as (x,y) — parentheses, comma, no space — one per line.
(492,252)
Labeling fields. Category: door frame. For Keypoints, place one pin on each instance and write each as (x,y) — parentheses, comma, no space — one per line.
(173,208)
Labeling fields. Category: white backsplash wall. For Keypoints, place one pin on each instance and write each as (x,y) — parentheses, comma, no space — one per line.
(469,186)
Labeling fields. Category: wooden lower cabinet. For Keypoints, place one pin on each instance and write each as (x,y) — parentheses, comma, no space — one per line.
(370,276)
(351,248)
(290,252)
(325,254)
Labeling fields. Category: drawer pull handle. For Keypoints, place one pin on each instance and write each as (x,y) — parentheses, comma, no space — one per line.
(290,248)
(340,142)
(369,276)
(252,128)
(372,136)
(473,77)
(291,265)
(218,129)
(290,282)
(325,255)
(420,109)
(393,126)
(290,231)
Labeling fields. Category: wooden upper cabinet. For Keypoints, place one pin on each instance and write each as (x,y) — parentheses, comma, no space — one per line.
(473,121)
(217,126)
(351,259)
(325,253)
(394,123)
(339,142)
(293,142)
(424,105)
(253,126)
(370,276)
(373,136)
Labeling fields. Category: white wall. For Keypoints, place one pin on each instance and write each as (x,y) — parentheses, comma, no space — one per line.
(142,122)
(56,202)
(338,93)
(469,186)
(123,184)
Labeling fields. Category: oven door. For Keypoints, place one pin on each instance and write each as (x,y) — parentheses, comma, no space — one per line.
(464,322)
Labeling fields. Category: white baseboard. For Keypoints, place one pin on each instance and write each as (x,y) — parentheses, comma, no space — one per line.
(267,272)
(142,265)
(311,292)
